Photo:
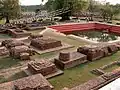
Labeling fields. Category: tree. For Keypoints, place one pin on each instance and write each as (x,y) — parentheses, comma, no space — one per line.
(49,5)
(72,5)
(9,9)
(109,11)
(115,10)
(93,8)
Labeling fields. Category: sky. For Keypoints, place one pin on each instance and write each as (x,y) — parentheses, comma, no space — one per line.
(38,2)
(31,2)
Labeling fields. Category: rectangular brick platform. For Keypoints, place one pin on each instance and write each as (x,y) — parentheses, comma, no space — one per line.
(4,51)
(28,28)
(45,43)
(44,67)
(17,33)
(74,60)
(11,43)
(97,51)
(18,50)
(35,82)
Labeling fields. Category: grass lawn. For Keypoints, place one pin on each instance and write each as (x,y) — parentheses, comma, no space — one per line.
(35,31)
(111,68)
(17,76)
(65,39)
(81,73)
(45,55)
(7,62)
(13,77)
(2,79)
(4,36)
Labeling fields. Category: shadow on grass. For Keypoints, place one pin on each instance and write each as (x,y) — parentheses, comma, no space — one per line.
(16,76)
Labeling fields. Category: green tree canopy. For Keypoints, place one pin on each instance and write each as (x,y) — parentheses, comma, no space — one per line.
(109,11)
(9,9)
(74,6)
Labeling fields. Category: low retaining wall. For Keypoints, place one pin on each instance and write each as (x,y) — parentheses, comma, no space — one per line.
(100,71)
(98,82)
(86,26)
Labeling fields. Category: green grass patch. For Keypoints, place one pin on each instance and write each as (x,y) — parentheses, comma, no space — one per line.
(111,68)
(80,74)
(17,76)
(7,62)
(2,79)
(4,36)
(45,55)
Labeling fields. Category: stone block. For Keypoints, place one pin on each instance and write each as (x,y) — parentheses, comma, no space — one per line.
(45,43)
(64,56)
(24,56)
(75,59)
(34,82)
(44,67)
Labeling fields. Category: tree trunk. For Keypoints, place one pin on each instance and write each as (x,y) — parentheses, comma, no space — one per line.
(7,19)
(111,17)
(104,17)
(65,16)
(91,17)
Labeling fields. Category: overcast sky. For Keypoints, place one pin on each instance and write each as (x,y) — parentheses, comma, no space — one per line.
(38,2)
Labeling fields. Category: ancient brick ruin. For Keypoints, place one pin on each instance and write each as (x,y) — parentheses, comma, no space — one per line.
(16,49)
(11,43)
(20,51)
(34,36)
(35,82)
(91,84)
(68,60)
(45,43)
(111,75)
(38,25)
(30,27)
(44,67)
(25,56)
(101,70)
(112,48)
(65,60)
(95,52)
(17,33)
(4,51)
(6,42)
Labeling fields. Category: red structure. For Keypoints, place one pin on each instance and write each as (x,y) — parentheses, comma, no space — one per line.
(86,26)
